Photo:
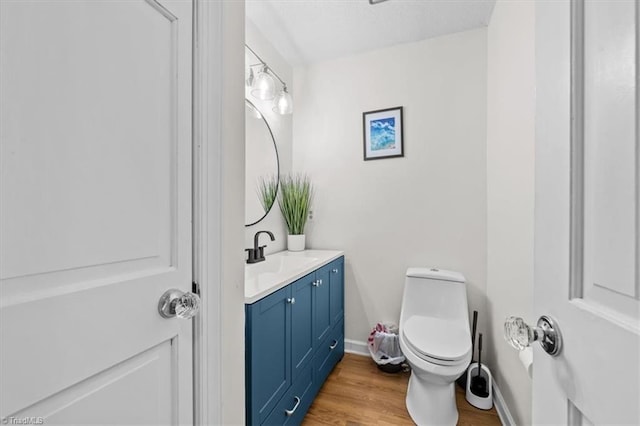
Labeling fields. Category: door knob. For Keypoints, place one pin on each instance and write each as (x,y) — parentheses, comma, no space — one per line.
(520,335)
(175,303)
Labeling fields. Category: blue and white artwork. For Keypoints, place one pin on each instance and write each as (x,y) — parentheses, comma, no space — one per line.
(383,133)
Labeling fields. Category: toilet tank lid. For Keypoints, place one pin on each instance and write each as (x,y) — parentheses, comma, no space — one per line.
(436,274)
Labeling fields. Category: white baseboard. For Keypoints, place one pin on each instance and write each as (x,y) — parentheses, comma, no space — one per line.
(501,407)
(356,347)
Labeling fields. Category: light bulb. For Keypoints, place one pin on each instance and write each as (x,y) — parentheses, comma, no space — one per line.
(264,85)
(283,103)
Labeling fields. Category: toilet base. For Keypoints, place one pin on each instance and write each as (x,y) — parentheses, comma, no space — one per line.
(430,403)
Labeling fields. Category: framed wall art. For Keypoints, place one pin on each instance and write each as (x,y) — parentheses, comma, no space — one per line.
(382,133)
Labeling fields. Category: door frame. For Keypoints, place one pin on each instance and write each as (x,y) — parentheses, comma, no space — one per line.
(206,335)
(207,117)
(218,164)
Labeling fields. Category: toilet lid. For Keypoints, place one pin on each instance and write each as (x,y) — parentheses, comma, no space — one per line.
(438,339)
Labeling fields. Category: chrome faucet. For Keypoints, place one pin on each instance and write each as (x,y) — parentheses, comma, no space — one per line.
(256,254)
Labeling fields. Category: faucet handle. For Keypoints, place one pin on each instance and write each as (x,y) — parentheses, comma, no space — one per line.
(251,257)
(261,252)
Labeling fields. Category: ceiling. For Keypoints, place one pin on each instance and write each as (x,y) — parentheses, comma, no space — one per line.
(307,31)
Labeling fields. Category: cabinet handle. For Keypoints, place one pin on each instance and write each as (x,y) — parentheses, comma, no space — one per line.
(315,283)
(333,345)
(335,271)
(319,282)
(289,413)
(291,300)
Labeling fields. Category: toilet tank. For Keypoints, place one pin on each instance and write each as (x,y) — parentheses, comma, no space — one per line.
(434,292)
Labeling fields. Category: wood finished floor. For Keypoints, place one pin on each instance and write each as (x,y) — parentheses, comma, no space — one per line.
(358,393)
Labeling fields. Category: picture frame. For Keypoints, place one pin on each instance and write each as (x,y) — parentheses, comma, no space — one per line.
(382,133)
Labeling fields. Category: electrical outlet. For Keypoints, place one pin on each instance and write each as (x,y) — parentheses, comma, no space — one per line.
(310,215)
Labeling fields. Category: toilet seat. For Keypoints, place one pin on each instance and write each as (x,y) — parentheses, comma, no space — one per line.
(440,341)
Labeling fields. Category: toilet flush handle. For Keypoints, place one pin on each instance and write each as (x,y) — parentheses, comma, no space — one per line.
(520,335)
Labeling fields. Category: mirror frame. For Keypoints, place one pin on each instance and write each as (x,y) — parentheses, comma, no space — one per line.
(275,147)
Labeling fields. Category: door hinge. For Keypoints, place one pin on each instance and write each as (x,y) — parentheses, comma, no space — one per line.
(195,288)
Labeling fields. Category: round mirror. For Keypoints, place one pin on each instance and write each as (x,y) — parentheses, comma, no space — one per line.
(262,167)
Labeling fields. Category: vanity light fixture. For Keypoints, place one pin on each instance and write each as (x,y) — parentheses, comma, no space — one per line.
(283,104)
(263,86)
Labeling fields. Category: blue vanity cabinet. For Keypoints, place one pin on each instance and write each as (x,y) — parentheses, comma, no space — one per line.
(268,349)
(294,338)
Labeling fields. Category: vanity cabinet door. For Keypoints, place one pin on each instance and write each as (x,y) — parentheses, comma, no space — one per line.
(302,324)
(268,348)
(321,306)
(336,284)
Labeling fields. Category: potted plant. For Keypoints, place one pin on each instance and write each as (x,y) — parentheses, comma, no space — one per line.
(294,199)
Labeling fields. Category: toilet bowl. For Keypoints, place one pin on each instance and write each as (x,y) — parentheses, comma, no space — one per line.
(436,341)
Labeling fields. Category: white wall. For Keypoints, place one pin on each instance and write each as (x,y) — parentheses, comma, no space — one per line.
(510,192)
(281,127)
(426,209)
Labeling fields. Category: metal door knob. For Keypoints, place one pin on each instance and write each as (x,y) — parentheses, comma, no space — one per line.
(176,303)
(520,335)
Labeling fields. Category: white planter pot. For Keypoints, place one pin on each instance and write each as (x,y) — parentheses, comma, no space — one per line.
(295,242)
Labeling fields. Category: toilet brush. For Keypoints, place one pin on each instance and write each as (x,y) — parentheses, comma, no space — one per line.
(479,383)
(473,334)
(462,380)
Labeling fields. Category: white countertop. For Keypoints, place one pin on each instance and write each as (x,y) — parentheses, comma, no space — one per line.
(280,269)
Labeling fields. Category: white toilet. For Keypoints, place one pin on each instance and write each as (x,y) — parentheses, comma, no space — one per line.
(435,339)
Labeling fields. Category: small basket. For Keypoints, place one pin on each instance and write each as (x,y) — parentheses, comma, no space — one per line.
(384,347)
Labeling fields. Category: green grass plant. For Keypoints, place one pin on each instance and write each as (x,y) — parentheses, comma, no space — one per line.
(294,199)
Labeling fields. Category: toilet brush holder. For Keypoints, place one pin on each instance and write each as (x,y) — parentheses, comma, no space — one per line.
(479,398)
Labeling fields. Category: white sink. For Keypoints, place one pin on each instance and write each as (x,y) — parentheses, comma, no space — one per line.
(280,269)
(278,265)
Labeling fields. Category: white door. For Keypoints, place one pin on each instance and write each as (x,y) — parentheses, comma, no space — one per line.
(587,212)
(95,213)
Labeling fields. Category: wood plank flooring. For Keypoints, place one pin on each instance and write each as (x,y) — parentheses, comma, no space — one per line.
(358,393)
